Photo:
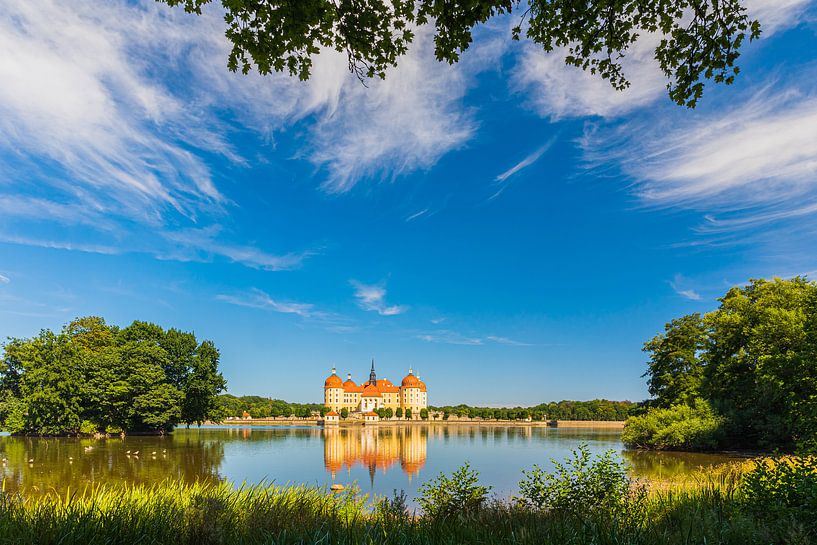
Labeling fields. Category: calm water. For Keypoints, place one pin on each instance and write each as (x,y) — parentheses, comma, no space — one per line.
(379,459)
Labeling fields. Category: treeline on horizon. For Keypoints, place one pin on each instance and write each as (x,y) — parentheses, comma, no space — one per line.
(596,409)
(741,376)
(92,377)
(229,405)
(232,406)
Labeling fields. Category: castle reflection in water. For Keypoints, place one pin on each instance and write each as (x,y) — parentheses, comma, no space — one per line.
(375,448)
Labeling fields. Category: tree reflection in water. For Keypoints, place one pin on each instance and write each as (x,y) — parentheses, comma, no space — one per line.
(38,465)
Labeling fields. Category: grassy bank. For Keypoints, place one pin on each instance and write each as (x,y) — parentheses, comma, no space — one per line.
(583,501)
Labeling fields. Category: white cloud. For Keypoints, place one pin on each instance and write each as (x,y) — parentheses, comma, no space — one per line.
(555,90)
(678,286)
(114,110)
(776,15)
(372,297)
(403,123)
(258,299)
(4,279)
(73,94)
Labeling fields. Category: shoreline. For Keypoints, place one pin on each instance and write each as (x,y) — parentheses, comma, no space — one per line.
(588,424)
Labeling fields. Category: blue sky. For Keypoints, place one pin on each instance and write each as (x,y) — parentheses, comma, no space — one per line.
(511,227)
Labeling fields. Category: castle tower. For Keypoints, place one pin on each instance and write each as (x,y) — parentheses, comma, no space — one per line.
(373,375)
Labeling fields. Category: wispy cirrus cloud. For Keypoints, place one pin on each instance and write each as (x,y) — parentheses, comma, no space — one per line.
(415,215)
(502,179)
(680,287)
(261,300)
(526,162)
(447,336)
(749,164)
(111,116)
(372,297)
(308,313)
(4,279)
(203,244)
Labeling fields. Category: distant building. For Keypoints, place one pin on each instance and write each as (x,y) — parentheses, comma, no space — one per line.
(375,394)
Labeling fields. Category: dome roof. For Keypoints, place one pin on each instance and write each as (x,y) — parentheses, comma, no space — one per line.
(349,383)
(371,391)
(422,385)
(411,381)
(333,381)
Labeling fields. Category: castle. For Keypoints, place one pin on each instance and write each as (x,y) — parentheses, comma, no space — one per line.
(375,394)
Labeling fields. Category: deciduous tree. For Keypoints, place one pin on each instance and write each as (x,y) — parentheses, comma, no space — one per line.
(700,39)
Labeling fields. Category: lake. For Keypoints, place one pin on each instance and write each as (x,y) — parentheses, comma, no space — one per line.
(379,459)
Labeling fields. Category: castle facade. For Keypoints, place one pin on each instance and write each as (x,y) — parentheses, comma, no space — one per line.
(375,394)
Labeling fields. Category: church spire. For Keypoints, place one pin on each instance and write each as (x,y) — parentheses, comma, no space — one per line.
(373,375)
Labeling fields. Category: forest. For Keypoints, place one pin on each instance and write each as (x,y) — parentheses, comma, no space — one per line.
(92,377)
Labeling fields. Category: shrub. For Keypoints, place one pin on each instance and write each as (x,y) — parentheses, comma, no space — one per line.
(680,427)
(581,484)
(344,413)
(459,494)
(87,428)
(776,487)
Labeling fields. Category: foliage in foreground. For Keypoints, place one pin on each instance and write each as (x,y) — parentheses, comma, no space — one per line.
(753,361)
(91,377)
(586,500)
(681,427)
(701,39)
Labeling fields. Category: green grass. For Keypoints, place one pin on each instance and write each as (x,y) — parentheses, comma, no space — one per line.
(583,502)
(202,514)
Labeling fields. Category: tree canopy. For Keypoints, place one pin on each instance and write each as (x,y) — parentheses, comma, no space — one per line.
(699,39)
(748,368)
(91,377)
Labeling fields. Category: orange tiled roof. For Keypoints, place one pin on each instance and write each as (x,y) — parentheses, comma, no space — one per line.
(333,381)
(370,390)
(411,382)
(385,386)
